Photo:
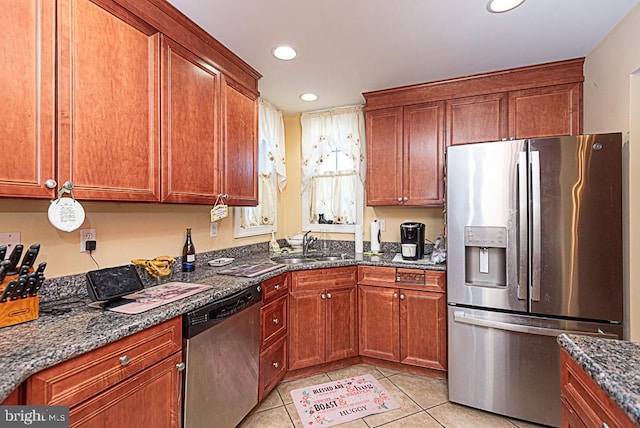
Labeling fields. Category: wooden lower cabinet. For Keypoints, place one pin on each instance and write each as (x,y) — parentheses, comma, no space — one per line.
(135,381)
(322,322)
(403,323)
(583,403)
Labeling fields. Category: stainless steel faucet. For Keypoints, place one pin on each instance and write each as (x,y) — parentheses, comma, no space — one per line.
(307,241)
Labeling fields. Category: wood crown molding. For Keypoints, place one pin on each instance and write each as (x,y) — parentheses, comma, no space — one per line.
(533,76)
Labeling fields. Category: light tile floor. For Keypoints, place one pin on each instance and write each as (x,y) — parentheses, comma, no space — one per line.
(423,402)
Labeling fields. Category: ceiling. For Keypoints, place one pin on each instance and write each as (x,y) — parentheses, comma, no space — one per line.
(346,47)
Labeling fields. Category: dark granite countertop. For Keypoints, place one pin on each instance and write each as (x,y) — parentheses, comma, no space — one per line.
(613,364)
(30,347)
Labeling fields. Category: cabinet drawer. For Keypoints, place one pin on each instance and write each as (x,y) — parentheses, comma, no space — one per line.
(275,287)
(73,381)
(376,275)
(273,366)
(273,321)
(435,280)
(318,279)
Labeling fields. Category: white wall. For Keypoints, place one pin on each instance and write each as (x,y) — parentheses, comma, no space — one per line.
(609,106)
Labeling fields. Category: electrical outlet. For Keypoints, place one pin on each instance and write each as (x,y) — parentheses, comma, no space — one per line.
(383,225)
(213,229)
(10,239)
(86,235)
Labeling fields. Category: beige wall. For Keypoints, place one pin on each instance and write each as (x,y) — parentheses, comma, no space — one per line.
(610,107)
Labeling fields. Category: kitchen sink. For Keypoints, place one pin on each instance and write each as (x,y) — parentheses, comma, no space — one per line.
(293,260)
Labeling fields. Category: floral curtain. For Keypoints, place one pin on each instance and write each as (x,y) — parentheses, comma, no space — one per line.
(333,159)
(323,132)
(272,169)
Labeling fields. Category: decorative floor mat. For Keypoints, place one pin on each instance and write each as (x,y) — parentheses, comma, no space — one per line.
(341,401)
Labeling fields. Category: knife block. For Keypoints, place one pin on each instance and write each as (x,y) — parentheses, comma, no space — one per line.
(14,312)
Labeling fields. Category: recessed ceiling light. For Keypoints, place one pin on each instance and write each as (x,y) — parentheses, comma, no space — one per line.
(308,97)
(284,53)
(499,6)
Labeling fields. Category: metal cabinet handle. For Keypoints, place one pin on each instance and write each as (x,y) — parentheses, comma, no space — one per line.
(402,297)
(124,360)
(395,295)
(181,366)
(328,295)
(399,199)
(68,185)
(405,199)
(323,296)
(604,425)
(277,287)
(276,321)
(275,364)
(51,183)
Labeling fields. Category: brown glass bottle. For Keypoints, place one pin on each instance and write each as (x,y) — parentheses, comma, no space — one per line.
(188,254)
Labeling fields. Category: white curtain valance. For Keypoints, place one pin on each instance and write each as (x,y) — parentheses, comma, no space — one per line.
(323,132)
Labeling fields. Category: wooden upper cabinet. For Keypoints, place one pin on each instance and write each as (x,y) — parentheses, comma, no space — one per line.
(546,112)
(108,113)
(384,156)
(239,146)
(477,119)
(27,90)
(423,159)
(190,123)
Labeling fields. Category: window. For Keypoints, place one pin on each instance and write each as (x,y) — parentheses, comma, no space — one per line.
(272,175)
(333,169)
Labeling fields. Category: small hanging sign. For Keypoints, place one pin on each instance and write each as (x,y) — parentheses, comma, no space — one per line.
(219,211)
(66,214)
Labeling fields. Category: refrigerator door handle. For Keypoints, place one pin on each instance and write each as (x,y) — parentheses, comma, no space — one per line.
(522,227)
(535,214)
(460,317)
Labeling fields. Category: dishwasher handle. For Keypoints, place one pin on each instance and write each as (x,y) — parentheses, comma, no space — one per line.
(462,318)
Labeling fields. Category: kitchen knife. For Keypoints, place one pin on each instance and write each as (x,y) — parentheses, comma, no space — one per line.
(41,267)
(3,252)
(14,258)
(17,291)
(8,291)
(32,279)
(4,267)
(30,257)
(36,287)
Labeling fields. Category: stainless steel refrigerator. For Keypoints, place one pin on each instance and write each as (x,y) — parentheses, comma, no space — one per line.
(534,241)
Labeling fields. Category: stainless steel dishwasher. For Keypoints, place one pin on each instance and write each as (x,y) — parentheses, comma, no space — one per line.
(222,346)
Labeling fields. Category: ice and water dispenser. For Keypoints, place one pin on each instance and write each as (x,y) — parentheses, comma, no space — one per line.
(485,255)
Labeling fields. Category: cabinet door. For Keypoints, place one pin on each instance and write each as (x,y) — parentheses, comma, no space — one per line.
(384,156)
(152,398)
(477,119)
(27,31)
(108,115)
(423,333)
(190,123)
(341,324)
(273,367)
(546,112)
(239,144)
(306,328)
(423,165)
(379,318)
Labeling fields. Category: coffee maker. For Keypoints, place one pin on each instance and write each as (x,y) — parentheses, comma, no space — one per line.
(412,240)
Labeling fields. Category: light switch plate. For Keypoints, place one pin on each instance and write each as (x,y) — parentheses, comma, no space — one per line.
(10,239)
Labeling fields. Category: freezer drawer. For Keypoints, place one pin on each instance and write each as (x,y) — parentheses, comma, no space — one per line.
(510,364)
